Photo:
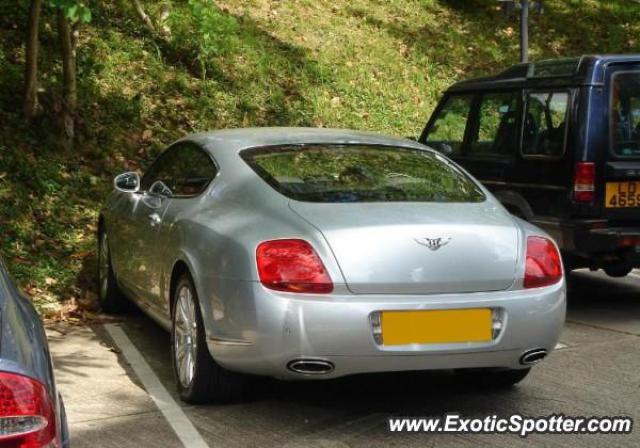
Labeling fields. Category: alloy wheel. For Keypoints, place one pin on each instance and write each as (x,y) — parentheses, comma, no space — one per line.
(185,336)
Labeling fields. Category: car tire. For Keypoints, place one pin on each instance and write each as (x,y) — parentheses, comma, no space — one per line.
(492,378)
(618,271)
(111,298)
(199,378)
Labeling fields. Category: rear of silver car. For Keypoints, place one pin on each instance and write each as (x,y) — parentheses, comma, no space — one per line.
(414,286)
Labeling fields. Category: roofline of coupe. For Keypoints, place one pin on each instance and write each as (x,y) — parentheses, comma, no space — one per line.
(240,139)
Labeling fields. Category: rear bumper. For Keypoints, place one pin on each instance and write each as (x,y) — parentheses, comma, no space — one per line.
(612,238)
(337,329)
(588,240)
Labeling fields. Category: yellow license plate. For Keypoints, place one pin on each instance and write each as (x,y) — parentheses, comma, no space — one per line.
(436,326)
(623,194)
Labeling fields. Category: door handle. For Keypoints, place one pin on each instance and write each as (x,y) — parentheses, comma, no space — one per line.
(154,219)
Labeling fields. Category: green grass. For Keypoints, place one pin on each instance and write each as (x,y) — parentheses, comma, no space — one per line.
(377,65)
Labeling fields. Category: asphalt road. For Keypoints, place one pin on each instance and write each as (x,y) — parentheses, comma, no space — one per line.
(595,372)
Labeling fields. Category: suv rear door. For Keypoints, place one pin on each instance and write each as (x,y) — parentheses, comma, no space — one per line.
(491,123)
(622,169)
(545,166)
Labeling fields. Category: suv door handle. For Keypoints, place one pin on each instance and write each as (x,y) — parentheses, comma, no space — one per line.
(154,219)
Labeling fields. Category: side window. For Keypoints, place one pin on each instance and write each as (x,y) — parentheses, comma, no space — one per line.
(448,129)
(184,169)
(545,124)
(497,127)
(196,170)
(163,169)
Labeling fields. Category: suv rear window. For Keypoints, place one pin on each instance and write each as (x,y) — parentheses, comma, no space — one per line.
(625,114)
(361,173)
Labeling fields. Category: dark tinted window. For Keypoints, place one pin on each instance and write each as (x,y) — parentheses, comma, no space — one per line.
(625,114)
(361,173)
(545,124)
(497,127)
(450,124)
(162,170)
(554,68)
(185,169)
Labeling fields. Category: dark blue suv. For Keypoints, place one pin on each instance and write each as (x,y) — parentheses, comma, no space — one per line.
(558,142)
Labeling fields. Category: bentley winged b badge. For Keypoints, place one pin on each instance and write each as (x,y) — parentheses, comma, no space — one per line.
(433,243)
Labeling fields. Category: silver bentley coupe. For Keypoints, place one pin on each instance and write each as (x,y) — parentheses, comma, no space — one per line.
(316,253)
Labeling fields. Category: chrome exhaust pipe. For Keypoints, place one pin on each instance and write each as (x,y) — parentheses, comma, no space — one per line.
(534,356)
(310,366)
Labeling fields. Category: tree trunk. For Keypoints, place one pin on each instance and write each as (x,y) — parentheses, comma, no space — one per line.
(145,17)
(68,40)
(30,105)
(524,31)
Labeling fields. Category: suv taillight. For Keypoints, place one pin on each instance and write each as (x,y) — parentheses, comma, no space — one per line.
(584,182)
(292,266)
(27,418)
(543,266)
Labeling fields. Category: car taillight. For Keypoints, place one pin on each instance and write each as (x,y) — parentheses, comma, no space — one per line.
(543,266)
(27,418)
(292,266)
(584,182)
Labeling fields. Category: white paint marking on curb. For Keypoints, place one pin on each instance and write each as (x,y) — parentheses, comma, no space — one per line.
(182,426)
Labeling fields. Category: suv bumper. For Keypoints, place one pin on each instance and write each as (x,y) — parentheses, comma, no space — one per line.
(613,238)
(590,240)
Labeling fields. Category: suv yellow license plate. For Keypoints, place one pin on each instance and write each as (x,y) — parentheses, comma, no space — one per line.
(436,326)
(623,195)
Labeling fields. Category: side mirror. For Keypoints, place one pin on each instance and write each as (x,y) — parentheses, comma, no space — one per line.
(127,182)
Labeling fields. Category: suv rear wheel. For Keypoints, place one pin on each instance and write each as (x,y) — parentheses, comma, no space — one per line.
(618,270)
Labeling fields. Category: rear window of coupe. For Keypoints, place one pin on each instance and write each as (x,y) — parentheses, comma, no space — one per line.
(361,173)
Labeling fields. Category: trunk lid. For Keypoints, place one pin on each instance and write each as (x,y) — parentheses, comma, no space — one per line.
(390,248)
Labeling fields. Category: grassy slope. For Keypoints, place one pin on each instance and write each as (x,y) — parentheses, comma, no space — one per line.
(370,64)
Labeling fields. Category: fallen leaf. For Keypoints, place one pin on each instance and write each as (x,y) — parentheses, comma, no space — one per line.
(80,255)
(50,281)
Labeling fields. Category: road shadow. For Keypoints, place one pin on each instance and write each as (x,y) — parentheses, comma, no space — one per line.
(597,300)
(429,393)
(587,290)
(72,365)
(594,286)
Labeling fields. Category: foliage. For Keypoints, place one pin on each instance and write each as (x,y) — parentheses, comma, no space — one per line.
(75,11)
(366,64)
